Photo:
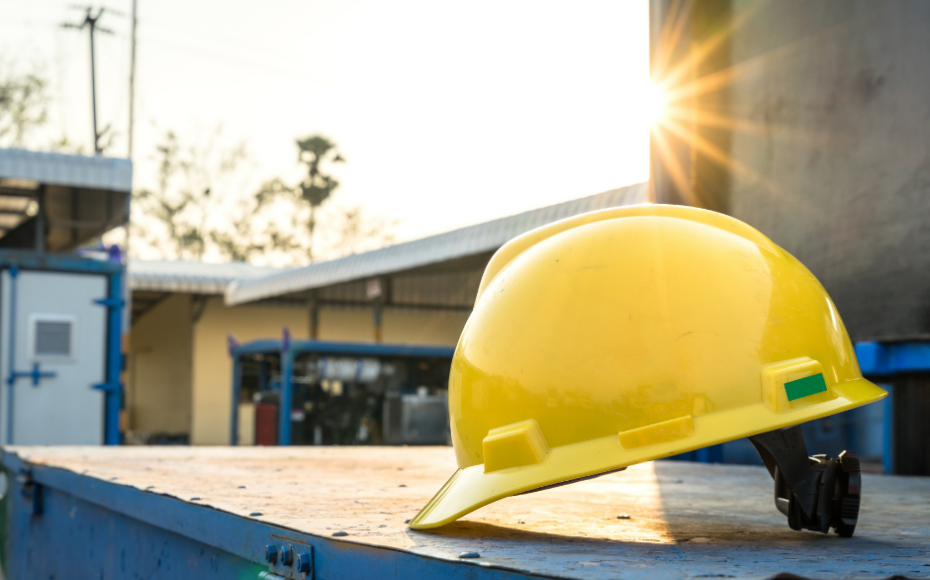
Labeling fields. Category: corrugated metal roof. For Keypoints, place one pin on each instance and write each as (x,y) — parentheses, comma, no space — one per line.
(477,239)
(69,170)
(189,277)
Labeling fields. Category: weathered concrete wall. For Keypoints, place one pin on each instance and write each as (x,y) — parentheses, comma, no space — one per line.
(825,108)
(159,369)
(834,103)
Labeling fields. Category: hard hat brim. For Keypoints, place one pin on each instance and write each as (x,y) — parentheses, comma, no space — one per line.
(471,488)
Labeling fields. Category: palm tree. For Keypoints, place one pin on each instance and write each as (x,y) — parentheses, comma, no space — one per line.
(316,188)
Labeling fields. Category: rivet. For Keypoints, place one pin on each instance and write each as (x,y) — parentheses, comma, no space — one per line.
(469,555)
(340,534)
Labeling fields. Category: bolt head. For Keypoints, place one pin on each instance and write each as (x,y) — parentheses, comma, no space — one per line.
(271,554)
(287,555)
(303,563)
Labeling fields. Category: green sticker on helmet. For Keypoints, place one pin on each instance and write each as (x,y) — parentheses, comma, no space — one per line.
(805,387)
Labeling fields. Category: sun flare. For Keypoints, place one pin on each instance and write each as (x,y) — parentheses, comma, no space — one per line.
(654,103)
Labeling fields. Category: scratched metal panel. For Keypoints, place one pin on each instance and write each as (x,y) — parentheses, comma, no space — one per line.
(686,519)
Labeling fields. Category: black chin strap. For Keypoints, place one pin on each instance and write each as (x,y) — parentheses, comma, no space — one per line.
(784,451)
(816,493)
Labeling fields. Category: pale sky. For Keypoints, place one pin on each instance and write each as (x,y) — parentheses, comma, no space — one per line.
(449,113)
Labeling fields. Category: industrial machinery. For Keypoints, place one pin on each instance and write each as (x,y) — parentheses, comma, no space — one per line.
(341,393)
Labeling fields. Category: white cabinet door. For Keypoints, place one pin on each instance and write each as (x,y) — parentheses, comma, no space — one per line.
(58,327)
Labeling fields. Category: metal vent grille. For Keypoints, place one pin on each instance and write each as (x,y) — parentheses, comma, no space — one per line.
(53,338)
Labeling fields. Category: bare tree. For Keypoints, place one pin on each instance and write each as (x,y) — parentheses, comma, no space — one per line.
(23,106)
(197,209)
(254,227)
(357,232)
(192,182)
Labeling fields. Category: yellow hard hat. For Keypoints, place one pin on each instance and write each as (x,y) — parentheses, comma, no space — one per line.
(632,334)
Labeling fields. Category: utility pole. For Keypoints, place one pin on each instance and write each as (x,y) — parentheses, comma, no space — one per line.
(90,22)
(132,76)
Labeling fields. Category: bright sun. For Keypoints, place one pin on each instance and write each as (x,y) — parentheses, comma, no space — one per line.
(654,103)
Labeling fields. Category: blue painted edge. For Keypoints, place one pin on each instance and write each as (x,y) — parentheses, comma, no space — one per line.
(29,260)
(348,348)
(889,358)
(113,394)
(236,394)
(287,397)
(245,537)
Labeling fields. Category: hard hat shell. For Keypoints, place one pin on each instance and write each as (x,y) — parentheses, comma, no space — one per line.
(631,334)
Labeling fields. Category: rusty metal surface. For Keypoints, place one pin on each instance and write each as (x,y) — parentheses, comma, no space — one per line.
(686,519)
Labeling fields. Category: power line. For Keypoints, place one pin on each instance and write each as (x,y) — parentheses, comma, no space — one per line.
(293,73)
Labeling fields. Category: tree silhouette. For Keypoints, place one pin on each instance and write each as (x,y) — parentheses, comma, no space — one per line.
(23,106)
(317,187)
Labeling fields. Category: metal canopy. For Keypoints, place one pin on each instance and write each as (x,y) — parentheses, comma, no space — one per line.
(190,277)
(152,281)
(451,252)
(57,202)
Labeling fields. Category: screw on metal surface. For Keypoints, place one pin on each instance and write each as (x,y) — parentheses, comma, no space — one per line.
(303,563)
(469,555)
(340,534)
(31,491)
(271,554)
(287,555)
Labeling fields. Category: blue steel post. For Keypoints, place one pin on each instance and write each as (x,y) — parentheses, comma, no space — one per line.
(236,390)
(11,363)
(114,394)
(287,387)
(888,431)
